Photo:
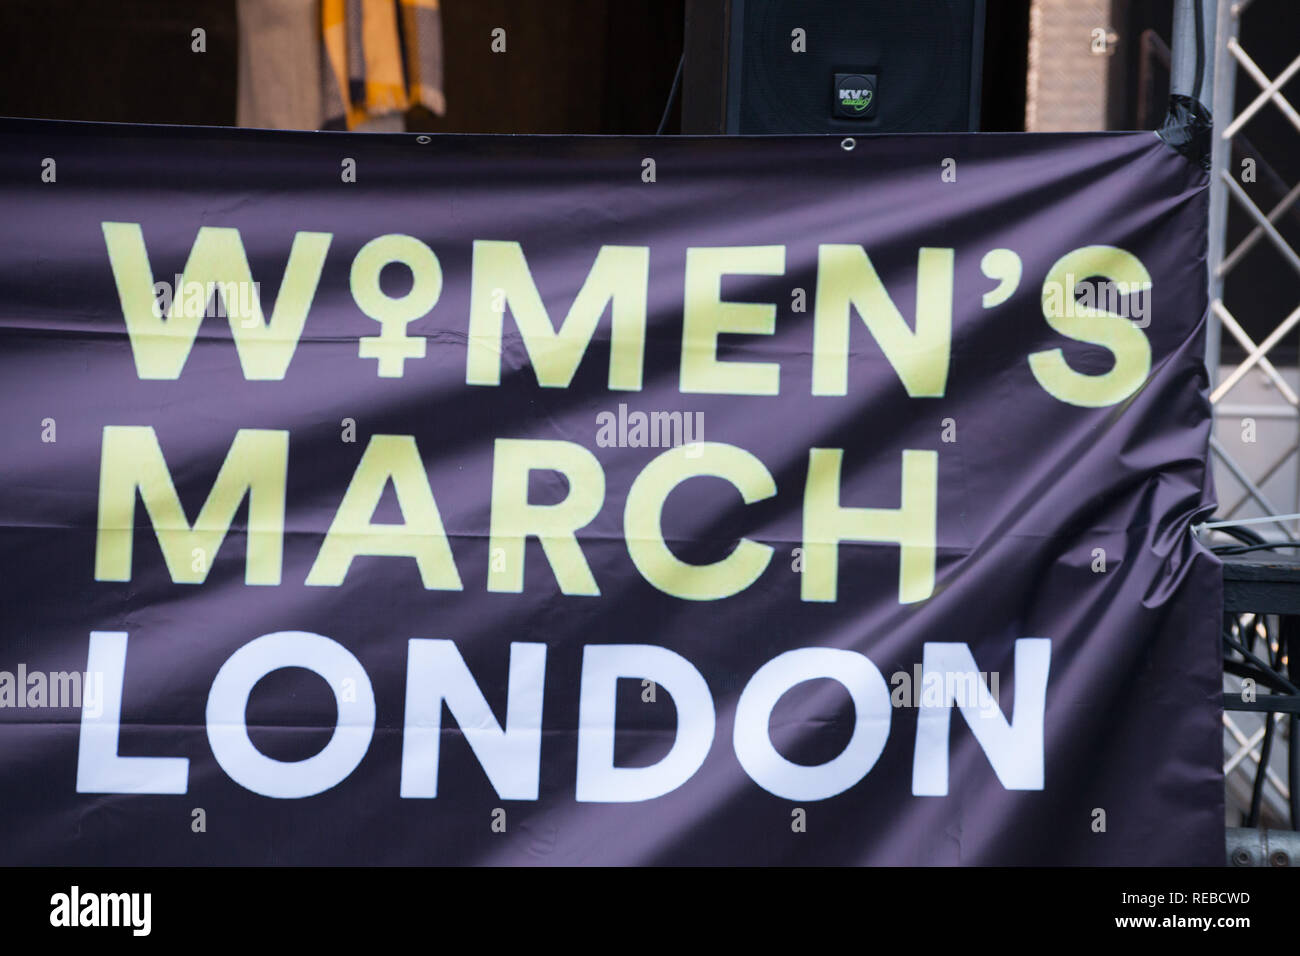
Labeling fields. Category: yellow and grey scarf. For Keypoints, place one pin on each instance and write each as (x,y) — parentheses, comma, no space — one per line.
(379,57)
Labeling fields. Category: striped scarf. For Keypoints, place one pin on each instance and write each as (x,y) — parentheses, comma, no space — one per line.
(379,57)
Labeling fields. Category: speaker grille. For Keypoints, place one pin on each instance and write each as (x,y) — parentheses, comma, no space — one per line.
(920,50)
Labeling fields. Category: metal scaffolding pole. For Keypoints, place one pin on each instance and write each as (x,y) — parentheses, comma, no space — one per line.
(1191,71)
(1221,106)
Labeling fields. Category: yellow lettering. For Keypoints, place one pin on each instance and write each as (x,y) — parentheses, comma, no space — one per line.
(131,459)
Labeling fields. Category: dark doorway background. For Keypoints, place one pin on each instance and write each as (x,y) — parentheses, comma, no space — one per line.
(571,66)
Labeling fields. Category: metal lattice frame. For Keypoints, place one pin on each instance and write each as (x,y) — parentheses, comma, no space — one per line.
(1226,191)
(1246,746)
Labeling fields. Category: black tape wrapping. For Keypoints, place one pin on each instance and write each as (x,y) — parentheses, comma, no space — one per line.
(1187,128)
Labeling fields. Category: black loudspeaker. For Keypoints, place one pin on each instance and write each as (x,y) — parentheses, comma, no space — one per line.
(832,66)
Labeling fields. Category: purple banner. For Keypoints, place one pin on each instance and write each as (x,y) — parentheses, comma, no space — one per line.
(580,500)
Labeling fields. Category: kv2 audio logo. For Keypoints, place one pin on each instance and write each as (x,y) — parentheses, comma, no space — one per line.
(857,100)
(855,95)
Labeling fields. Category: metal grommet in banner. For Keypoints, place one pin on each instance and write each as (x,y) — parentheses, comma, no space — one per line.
(848,142)
(422,140)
